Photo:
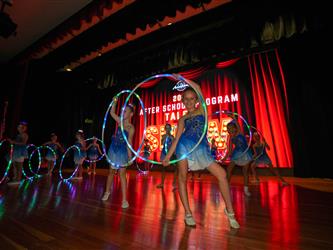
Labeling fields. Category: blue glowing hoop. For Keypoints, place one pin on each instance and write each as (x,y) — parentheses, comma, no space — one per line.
(40,159)
(103,148)
(62,159)
(201,99)
(39,162)
(23,172)
(227,112)
(104,124)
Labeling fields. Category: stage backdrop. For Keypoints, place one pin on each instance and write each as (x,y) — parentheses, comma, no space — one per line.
(253,87)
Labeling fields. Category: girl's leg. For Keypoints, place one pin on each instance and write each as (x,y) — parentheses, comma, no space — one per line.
(89,168)
(123,182)
(245,170)
(108,184)
(94,168)
(80,170)
(19,166)
(17,173)
(14,171)
(161,185)
(229,170)
(50,165)
(182,185)
(174,182)
(254,172)
(220,174)
(276,172)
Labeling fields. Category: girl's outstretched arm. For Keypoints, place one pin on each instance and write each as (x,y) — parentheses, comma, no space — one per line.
(113,110)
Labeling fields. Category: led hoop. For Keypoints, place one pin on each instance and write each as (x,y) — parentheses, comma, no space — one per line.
(123,108)
(103,148)
(62,159)
(263,138)
(40,159)
(144,171)
(9,162)
(23,172)
(39,162)
(54,154)
(177,78)
(247,126)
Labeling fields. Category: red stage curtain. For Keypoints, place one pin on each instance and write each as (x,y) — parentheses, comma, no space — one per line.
(271,105)
(225,64)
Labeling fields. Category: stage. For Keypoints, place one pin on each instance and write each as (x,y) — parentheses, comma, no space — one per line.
(50,214)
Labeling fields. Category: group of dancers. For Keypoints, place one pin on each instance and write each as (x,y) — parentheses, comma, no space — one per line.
(189,131)
(53,149)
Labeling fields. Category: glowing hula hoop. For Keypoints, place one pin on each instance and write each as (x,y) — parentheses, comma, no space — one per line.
(123,133)
(39,162)
(201,99)
(23,172)
(219,156)
(54,154)
(40,159)
(144,171)
(103,148)
(247,126)
(62,159)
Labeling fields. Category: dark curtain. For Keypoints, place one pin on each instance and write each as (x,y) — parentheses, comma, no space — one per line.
(13,86)
(308,74)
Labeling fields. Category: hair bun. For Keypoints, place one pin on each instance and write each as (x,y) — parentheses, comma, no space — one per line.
(23,123)
(131,106)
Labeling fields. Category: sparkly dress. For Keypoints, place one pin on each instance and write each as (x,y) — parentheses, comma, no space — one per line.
(79,157)
(166,146)
(201,157)
(20,152)
(240,155)
(93,152)
(262,157)
(118,153)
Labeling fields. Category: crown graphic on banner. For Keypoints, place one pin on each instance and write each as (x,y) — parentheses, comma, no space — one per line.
(180,86)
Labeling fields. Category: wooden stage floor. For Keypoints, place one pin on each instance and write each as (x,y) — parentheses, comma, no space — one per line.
(50,214)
